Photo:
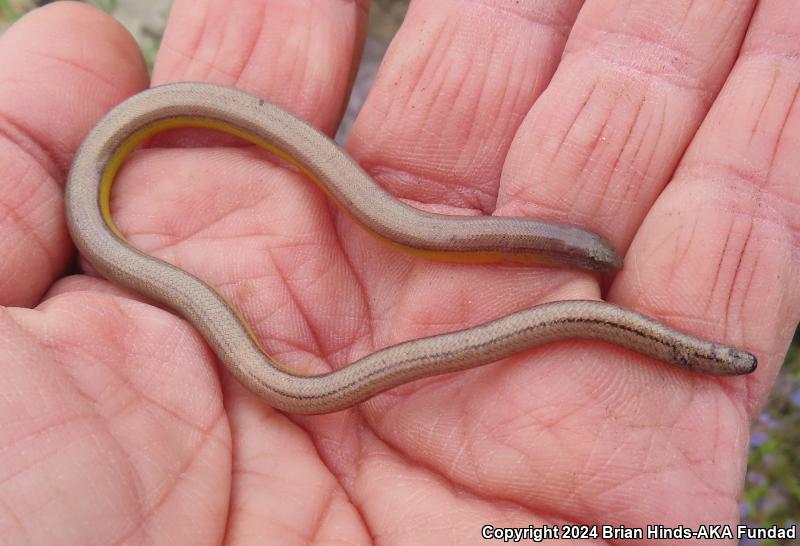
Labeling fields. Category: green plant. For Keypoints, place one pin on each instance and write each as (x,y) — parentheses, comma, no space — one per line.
(11,10)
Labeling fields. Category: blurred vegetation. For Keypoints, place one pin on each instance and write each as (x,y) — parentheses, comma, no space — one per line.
(772,486)
(11,10)
(107,6)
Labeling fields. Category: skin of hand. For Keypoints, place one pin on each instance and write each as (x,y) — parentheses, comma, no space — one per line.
(669,127)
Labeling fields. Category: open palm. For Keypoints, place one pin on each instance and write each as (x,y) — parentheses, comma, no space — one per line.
(671,128)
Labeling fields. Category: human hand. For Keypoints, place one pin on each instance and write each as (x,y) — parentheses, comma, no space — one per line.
(112,413)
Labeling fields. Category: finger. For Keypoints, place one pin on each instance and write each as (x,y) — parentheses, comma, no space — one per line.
(721,243)
(91,400)
(575,402)
(634,84)
(301,55)
(51,93)
(265,237)
(451,92)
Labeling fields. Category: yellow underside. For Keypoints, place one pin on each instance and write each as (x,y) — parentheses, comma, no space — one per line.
(138,137)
